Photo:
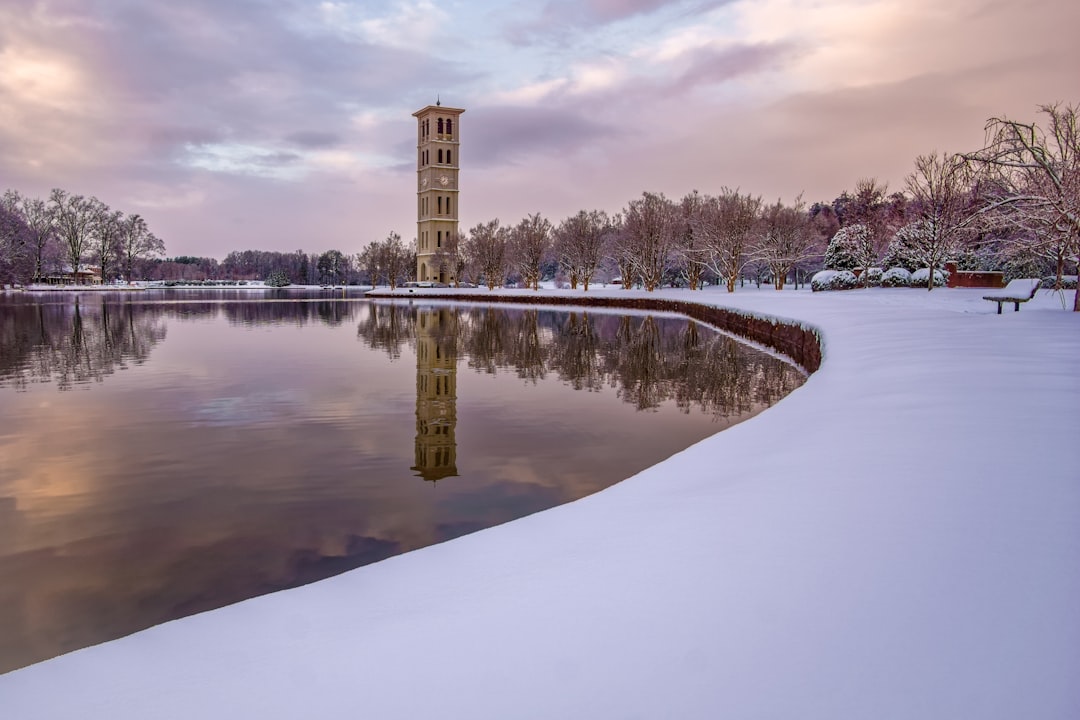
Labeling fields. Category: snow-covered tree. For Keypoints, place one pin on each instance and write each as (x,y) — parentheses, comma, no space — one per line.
(690,247)
(726,224)
(73,217)
(581,244)
(488,245)
(137,242)
(1035,172)
(940,187)
(785,239)
(851,247)
(902,251)
(451,257)
(530,244)
(650,238)
(277,278)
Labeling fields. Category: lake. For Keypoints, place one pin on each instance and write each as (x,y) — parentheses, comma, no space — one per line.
(165,452)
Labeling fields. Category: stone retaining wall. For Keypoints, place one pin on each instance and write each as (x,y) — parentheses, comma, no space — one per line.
(799,343)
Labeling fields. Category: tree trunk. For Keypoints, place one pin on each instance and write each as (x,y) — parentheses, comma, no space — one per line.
(1076,299)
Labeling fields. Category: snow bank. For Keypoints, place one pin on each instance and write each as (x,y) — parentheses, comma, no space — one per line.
(878,545)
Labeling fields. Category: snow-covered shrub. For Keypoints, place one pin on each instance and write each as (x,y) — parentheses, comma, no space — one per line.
(851,247)
(833,280)
(1068,282)
(920,277)
(904,248)
(277,278)
(1023,265)
(873,277)
(896,277)
(982,259)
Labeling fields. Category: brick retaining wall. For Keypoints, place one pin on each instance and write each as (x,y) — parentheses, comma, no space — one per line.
(795,341)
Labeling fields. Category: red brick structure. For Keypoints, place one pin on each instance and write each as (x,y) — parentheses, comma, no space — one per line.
(973,278)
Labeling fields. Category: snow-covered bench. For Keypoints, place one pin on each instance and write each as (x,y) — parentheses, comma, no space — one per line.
(1017,291)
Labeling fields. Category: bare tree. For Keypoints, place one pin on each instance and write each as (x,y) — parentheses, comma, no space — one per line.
(451,257)
(39,236)
(689,245)
(14,238)
(940,189)
(332,267)
(105,241)
(137,243)
(785,239)
(649,234)
(394,258)
(870,206)
(1037,171)
(621,252)
(73,217)
(530,244)
(487,245)
(726,224)
(368,262)
(581,243)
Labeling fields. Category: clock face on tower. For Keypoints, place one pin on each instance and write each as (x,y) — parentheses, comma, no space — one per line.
(444,180)
(424,182)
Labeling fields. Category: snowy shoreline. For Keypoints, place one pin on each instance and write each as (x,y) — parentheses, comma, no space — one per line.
(898,538)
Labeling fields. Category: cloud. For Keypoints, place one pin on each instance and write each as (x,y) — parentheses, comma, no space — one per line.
(510,135)
(273,123)
(314,139)
(556,19)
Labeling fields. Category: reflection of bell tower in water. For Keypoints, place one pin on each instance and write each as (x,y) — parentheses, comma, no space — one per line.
(436,394)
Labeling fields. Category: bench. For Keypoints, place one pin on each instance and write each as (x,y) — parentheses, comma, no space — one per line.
(1017,291)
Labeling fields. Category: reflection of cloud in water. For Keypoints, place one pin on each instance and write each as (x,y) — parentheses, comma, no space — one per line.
(287,458)
(246,410)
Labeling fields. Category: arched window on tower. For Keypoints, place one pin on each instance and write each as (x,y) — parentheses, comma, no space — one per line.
(439,204)
(440,156)
(440,130)
(449,126)
(448,160)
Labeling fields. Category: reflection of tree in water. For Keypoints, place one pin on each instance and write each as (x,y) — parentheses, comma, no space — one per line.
(291,312)
(71,344)
(649,360)
(388,327)
(574,352)
(499,338)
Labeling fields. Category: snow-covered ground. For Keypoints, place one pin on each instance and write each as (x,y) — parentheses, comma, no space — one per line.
(899,538)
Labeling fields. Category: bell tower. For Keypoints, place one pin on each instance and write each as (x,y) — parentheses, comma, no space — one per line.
(438,157)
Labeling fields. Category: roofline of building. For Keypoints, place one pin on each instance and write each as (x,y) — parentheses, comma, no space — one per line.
(440,108)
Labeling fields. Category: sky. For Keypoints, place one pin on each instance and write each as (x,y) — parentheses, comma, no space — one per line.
(287,124)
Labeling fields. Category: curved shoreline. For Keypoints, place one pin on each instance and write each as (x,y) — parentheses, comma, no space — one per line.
(873,546)
(800,343)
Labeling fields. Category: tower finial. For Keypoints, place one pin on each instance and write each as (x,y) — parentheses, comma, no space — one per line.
(438,102)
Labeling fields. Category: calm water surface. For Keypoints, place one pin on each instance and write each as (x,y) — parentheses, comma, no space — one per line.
(167,453)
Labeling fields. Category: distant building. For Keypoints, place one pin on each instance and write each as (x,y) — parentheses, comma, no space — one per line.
(438,146)
(86,275)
